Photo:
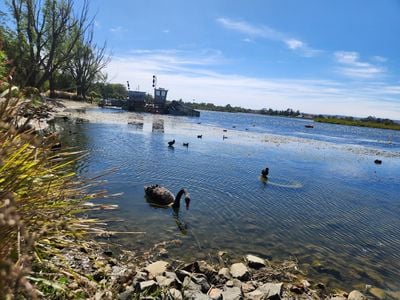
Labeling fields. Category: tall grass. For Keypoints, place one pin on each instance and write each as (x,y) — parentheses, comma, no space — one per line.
(39,199)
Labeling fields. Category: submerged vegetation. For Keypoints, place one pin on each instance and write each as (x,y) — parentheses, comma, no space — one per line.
(366,122)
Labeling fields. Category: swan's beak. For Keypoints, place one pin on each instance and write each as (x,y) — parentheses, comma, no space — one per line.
(187,200)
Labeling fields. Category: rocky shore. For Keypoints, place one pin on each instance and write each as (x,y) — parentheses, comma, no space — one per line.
(105,274)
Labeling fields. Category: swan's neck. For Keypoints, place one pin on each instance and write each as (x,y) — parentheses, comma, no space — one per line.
(177,202)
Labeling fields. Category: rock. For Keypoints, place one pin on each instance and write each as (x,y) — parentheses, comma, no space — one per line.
(337,298)
(255,262)
(170,275)
(189,285)
(240,271)
(175,294)
(182,274)
(215,294)
(207,269)
(233,293)
(192,267)
(164,281)
(297,289)
(267,291)
(127,294)
(248,287)
(356,295)
(201,280)
(156,268)
(148,285)
(305,283)
(378,293)
(224,273)
(229,283)
(141,276)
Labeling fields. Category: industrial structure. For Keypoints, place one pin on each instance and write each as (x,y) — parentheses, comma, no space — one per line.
(136,101)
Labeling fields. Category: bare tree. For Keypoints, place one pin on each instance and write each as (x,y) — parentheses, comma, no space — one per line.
(87,62)
(46,36)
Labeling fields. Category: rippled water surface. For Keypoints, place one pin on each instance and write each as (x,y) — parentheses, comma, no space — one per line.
(325,203)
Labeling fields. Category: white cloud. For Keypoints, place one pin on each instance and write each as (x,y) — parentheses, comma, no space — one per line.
(118,29)
(353,67)
(189,75)
(266,32)
(166,31)
(379,59)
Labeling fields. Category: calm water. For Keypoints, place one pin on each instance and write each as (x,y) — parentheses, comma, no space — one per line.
(326,202)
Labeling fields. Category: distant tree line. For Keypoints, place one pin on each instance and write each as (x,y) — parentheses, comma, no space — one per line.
(50,46)
(237,109)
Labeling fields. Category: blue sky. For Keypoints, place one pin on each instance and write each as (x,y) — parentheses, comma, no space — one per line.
(331,57)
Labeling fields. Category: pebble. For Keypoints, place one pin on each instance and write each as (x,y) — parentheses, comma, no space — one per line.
(255,262)
(356,295)
(240,271)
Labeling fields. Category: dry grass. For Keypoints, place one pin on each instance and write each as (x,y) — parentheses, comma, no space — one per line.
(39,199)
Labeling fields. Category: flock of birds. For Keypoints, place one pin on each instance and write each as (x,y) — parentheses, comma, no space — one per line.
(200,136)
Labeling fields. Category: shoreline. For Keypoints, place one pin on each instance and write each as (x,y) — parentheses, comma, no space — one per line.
(288,288)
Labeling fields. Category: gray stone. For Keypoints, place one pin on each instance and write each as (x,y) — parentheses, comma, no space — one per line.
(156,268)
(240,271)
(189,285)
(202,281)
(255,295)
(356,295)
(127,294)
(164,281)
(206,269)
(248,287)
(229,283)
(338,298)
(141,276)
(266,291)
(175,294)
(147,285)
(255,262)
(224,273)
(233,293)
(170,275)
(215,294)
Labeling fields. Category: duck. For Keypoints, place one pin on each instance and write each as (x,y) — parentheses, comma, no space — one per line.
(185,144)
(378,161)
(265,172)
(224,137)
(161,196)
(200,136)
(170,143)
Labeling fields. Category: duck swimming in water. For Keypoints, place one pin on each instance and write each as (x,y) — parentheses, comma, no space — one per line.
(265,173)
(163,197)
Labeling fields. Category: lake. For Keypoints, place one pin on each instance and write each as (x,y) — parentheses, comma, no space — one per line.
(325,203)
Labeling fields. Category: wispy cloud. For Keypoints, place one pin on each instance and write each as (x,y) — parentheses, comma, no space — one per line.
(352,66)
(118,29)
(166,31)
(193,75)
(266,32)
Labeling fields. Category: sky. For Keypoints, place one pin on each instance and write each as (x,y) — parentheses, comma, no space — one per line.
(330,57)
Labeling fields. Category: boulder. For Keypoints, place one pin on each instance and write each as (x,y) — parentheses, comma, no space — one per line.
(255,262)
(356,295)
(156,268)
(240,271)
(233,293)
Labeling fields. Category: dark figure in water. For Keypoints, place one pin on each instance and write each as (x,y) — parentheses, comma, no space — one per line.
(171,143)
(200,136)
(378,161)
(185,144)
(265,173)
(163,197)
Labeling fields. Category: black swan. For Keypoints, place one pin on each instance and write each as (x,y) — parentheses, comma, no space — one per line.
(265,172)
(163,197)
(171,143)
(378,161)
(185,144)
(200,136)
